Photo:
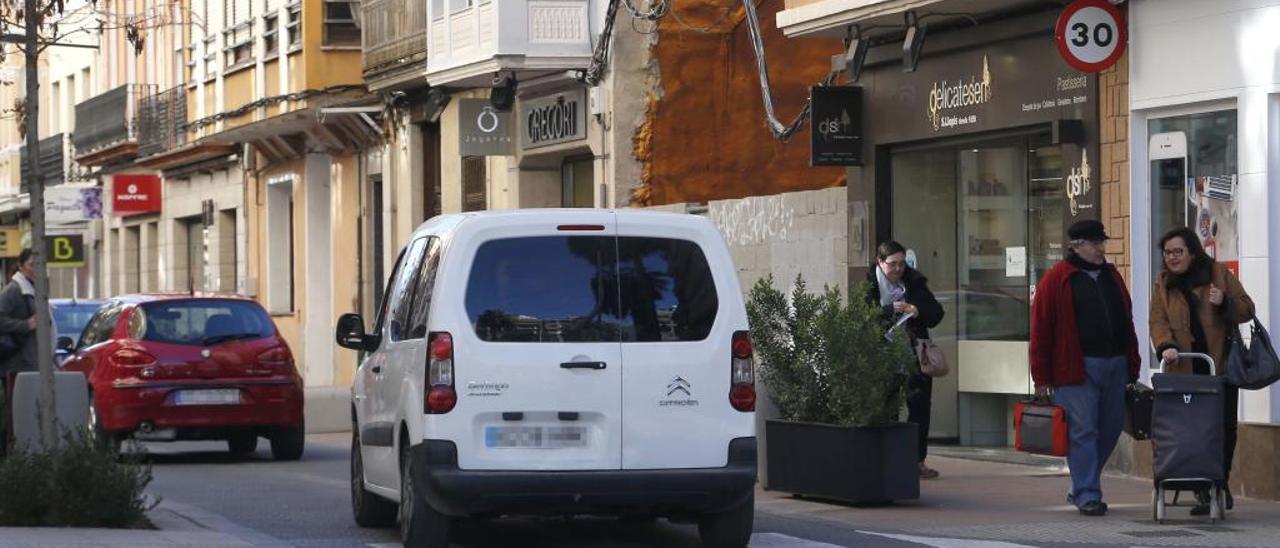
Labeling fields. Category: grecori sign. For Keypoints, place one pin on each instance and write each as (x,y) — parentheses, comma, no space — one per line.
(134,194)
(553,119)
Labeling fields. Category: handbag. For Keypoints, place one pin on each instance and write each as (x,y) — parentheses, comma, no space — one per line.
(1040,428)
(933,363)
(1139,400)
(1256,366)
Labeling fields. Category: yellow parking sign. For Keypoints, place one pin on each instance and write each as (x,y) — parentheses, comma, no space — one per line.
(64,250)
(10,242)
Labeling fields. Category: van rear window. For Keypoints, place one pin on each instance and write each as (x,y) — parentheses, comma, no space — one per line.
(591,289)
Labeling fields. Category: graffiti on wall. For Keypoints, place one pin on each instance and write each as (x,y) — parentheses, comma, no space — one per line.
(752,221)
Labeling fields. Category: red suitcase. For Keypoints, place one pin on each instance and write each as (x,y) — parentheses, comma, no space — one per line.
(1040,428)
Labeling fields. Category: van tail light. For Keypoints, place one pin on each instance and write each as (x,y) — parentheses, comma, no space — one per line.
(742,383)
(132,358)
(440,395)
(276,358)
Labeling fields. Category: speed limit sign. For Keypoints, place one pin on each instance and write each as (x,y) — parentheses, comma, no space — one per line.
(1091,35)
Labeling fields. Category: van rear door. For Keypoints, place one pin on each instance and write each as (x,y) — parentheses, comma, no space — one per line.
(538,363)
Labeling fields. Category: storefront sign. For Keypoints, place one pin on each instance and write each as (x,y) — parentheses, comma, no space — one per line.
(1079,186)
(69,204)
(949,97)
(64,250)
(835,133)
(482,129)
(10,242)
(134,194)
(554,119)
(1091,35)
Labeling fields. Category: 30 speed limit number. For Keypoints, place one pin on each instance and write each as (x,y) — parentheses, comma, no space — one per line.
(1091,35)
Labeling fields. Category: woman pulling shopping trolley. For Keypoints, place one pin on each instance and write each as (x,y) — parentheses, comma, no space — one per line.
(1195,306)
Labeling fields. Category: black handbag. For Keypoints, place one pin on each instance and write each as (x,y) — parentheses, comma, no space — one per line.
(1138,402)
(1253,367)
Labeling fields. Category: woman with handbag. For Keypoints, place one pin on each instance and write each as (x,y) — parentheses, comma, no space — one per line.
(901,290)
(1195,306)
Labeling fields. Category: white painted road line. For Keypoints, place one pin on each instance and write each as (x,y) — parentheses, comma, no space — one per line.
(779,540)
(949,542)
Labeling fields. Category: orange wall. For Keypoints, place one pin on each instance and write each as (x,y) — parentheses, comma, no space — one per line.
(705,136)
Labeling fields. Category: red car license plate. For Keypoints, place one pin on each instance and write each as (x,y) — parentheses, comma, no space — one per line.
(220,396)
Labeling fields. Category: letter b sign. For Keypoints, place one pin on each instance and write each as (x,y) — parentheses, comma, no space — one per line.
(64,250)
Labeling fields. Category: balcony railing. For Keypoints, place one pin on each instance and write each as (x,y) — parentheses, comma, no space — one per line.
(109,120)
(162,121)
(53,151)
(394,33)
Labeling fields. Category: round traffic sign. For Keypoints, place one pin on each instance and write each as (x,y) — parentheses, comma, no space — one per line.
(1091,35)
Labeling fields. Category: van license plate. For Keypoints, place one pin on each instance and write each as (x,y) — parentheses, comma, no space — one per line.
(221,396)
(534,437)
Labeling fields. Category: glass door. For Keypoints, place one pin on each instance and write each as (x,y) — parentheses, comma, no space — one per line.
(993,243)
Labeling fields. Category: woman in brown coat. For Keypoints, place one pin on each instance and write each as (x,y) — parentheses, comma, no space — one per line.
(1195,305)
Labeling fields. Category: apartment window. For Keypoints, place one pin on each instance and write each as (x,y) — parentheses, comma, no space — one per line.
(191,63)
(473,184)
(459,5)
(280,244)
(294,25)
(239,45)
(270,35)
(340,26)
(437,9)
(56,103)
(210,57)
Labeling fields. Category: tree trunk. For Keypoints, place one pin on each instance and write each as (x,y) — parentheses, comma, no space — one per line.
(35,186)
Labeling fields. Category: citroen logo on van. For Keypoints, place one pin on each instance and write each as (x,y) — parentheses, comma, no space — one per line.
(678,384)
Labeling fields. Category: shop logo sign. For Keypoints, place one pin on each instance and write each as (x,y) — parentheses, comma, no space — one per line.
(947,96)
(1079,185)
(555,119)
(483,130)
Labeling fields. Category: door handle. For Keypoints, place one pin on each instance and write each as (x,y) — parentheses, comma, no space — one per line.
(376,369)
(583,365)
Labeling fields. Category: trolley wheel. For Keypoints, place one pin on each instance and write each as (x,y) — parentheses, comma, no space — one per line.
(1155,499)
(1220,503)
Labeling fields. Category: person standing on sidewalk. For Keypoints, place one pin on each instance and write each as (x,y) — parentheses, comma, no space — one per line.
(1194,305)
(1084,350)
(899,289)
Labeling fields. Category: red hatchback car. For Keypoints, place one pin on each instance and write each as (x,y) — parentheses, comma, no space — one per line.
(190,367)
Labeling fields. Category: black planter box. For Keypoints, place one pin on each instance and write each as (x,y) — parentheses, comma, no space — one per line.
(859,465)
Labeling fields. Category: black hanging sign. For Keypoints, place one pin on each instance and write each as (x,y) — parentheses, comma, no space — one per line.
(835,126)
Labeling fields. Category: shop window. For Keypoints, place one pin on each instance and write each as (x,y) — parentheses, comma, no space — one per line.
(133,259)
(577,182)
(340,25)
(193,229)
(474,195)
(280,236)
(1194,185)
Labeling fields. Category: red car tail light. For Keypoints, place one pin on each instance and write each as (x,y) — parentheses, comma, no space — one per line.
(742,380)
(277,357)
(132,358)
(441,396)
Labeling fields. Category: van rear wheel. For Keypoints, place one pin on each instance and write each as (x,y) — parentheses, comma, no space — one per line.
(730,528)
(421,526)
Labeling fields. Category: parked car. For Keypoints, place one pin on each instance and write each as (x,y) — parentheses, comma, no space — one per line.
(69,318)
(190,367)
(556,362)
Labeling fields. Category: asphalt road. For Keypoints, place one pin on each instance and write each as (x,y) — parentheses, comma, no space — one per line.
(307,503)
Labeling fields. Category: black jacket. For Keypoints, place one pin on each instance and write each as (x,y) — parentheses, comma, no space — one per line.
(918,294)
(15,309)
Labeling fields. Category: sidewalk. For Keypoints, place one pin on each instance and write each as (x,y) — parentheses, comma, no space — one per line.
(1020,503)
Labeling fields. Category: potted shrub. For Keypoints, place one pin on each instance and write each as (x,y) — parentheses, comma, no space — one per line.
(838,383)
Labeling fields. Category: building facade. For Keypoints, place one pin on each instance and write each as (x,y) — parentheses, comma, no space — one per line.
(1205,132)
(1004,145)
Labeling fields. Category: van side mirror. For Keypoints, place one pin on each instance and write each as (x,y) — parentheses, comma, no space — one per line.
(350,333)
(65,344)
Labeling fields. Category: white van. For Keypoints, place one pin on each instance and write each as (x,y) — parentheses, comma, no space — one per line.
(556,362)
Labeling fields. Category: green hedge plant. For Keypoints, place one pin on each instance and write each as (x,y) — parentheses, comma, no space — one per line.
(77,484)
(825,360)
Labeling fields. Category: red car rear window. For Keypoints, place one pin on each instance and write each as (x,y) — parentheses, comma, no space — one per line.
(205,321)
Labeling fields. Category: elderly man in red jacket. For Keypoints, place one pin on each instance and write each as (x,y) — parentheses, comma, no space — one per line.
(1083,352)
